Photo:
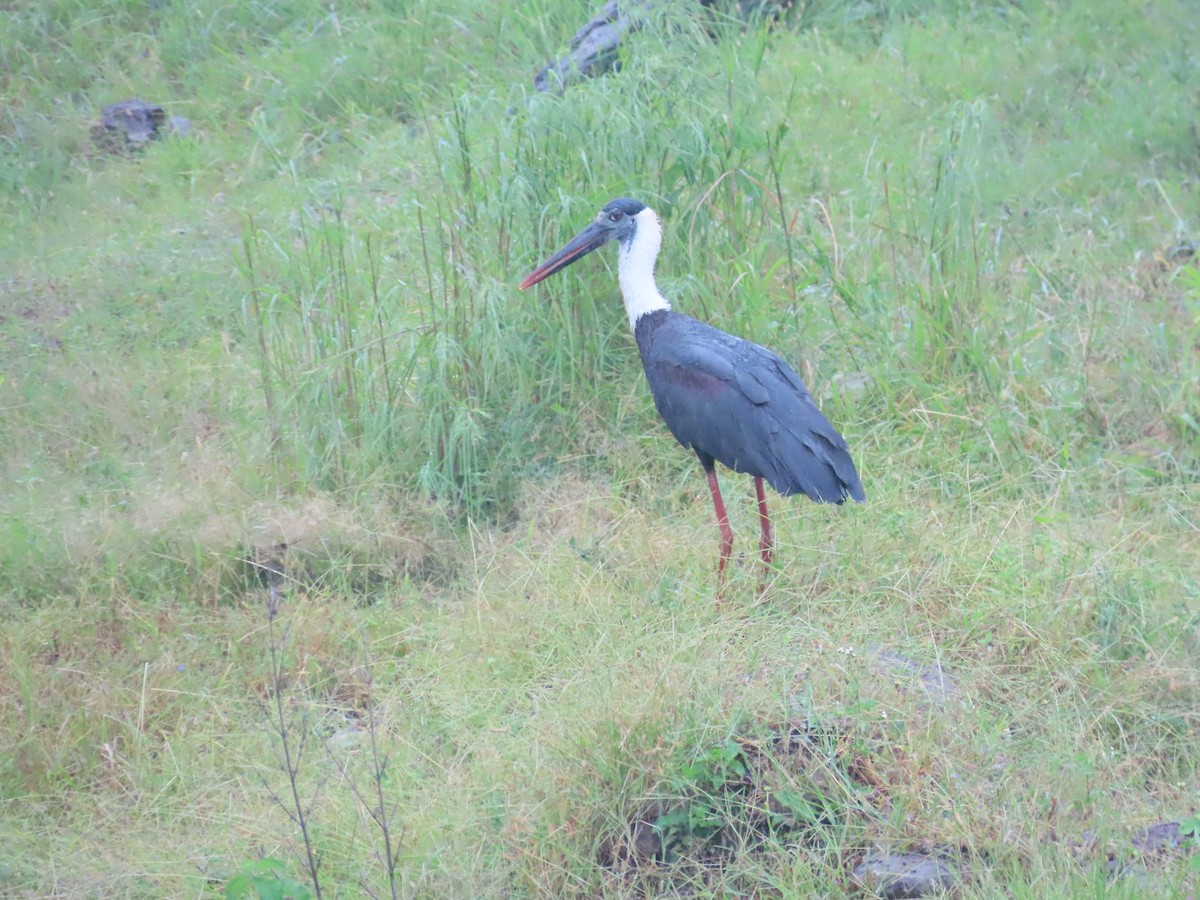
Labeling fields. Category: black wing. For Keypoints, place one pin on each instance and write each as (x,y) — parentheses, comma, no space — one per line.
(738,403)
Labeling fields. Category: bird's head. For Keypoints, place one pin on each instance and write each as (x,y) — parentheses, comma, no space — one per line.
(617,221)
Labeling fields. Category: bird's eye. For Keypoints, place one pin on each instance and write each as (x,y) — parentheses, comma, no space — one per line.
(616,216)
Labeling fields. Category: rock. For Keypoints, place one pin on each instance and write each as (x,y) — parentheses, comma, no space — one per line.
(128,126)
(639,846)
(593,49)
(1182,252)
(647,843)
(1161,838)
(938,684)
(905,875)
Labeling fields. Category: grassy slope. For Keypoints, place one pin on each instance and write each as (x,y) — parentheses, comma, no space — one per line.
(972,204)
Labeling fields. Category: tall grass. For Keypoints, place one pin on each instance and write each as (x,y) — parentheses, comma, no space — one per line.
(487,380)
(326,375)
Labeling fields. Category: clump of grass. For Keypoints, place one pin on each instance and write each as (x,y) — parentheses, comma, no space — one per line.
(800,790)
(327,379)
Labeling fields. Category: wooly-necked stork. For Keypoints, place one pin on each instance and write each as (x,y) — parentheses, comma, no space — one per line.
(729,400)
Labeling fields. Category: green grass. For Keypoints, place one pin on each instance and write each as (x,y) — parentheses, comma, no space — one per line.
(961,221)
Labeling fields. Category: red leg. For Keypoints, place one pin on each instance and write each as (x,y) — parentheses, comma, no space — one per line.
(766,544)
(722,524)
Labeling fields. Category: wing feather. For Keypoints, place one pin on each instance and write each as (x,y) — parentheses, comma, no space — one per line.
(738,403)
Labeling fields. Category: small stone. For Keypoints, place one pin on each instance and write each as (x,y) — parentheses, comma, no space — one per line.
(905,875)
(1182,252)
(646,841)
(1160,838)
(128,125)
(595,48)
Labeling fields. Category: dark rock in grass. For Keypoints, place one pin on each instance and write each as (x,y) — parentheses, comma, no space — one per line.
(128,126)
(1181,252)
(266,566)
(640,845)
(1151,846)
(1165,837)
(905,875)
(646,842)
(593,49)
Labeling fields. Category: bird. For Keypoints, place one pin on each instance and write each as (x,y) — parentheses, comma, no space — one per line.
(727,399)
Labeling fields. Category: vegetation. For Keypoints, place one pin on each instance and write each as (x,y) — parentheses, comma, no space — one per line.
(281,367)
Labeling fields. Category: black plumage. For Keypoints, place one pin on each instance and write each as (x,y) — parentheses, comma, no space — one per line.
(727,399)
(736,402)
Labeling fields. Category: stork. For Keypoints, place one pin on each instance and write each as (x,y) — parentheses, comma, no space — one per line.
(729,400)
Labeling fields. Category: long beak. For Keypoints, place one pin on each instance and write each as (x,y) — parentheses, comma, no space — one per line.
(579,246)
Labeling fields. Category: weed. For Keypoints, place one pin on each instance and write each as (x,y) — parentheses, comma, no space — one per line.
(1191,828)
(265,879)
(379,809)
(293,736)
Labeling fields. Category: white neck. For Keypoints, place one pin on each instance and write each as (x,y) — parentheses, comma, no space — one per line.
(635,270)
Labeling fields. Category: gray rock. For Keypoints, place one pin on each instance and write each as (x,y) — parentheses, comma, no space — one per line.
(938,684)
(593,49)
(1161,838)
(128,126)
(905,875)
